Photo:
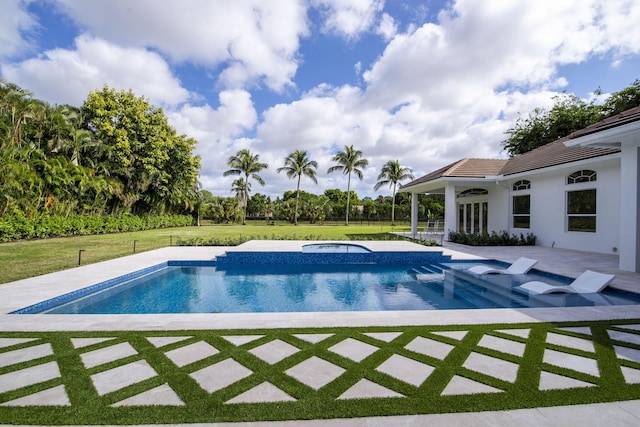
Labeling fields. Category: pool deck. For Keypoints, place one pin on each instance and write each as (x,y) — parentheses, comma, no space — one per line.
(23,293)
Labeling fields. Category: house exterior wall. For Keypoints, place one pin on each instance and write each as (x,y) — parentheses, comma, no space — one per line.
(499,211)
(549,207)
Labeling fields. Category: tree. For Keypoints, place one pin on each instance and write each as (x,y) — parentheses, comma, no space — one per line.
(349,161)
(241,189)
(138,147)
(296,165)
(568,114)
(18,105)
(391,174)
(259,205)
(623,100)
(246,163)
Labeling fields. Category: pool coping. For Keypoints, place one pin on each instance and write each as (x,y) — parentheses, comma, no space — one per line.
(34,290)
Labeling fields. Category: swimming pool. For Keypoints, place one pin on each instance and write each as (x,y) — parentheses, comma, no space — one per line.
(311,287)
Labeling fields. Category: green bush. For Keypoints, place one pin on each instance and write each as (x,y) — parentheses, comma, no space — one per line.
(18,227)
(503,238)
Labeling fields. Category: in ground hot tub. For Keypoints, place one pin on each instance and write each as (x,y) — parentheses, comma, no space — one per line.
(334,248)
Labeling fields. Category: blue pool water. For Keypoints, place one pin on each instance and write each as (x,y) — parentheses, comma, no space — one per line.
(306,287)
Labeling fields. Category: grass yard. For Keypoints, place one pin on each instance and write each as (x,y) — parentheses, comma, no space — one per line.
(20,260)
(476,368)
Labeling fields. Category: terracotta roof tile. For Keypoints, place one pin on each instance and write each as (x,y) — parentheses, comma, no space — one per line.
(465,168)
(552,154)
(628,116)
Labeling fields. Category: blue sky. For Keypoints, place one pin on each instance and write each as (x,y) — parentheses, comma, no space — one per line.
(424,82)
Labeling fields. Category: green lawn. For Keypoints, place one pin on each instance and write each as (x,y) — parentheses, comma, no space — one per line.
(19,260)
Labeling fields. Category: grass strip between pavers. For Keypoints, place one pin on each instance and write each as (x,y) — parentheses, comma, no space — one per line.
(87,406)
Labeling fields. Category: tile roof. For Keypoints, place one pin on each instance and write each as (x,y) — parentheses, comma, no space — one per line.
(552,154)
(465,168)
(623,118)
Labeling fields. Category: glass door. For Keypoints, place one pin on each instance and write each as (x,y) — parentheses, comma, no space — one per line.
(473,217)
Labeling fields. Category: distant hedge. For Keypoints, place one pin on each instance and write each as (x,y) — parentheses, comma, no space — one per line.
(17,227)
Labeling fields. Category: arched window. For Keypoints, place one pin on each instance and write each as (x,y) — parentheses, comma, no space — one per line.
(581,203)
(523,184)
(521,205)
(584,175)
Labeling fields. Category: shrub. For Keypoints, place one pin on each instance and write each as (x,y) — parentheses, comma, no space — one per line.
(503,238)
(17,226)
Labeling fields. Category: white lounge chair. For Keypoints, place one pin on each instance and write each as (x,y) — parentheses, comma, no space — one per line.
(587,282)
(521,266)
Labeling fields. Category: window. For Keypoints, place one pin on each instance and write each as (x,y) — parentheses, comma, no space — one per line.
(582,176)
(522,185)
(522,211)
(581,210)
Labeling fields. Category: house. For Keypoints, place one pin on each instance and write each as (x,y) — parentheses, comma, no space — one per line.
(579,192)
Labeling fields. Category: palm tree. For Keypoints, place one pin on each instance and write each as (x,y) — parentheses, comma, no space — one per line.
(297,164)
(349,161)
(245,163)
(392,173)
(241,187)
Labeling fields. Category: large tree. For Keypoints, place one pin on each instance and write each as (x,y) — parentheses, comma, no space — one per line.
(349,161)
(568,114)
(140,148)
(296,165)
(391,174)
(247,164)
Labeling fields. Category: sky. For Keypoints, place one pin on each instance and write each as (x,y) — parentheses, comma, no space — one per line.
(423,82)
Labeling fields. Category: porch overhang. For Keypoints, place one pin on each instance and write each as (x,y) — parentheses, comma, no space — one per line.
(438,186)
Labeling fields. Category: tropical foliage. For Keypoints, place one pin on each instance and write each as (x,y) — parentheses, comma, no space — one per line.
(503,238)
(115,155)
(247,165)
(568,114)
(296,165)
(391,174)
(349,161)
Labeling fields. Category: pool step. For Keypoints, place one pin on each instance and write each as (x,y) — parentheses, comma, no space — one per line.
(430,273)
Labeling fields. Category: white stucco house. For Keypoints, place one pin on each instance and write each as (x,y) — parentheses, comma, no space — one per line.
(580,192)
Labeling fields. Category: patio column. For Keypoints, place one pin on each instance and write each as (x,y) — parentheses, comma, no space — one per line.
(414,214)
(449,209)
(629,216)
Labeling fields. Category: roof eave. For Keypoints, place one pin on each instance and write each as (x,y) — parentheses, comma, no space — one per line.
(561,166)
(443,181)
(608,138)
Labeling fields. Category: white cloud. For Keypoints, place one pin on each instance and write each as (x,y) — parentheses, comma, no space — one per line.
(438,92)
(387,27)
(235,115)
(14,21)
(349,18)
(254,40)
(67,76)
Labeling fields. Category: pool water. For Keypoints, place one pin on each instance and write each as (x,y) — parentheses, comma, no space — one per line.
(317,288)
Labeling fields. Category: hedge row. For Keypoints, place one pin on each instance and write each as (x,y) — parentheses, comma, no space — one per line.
(17,227)
(494,239)
(235,241)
